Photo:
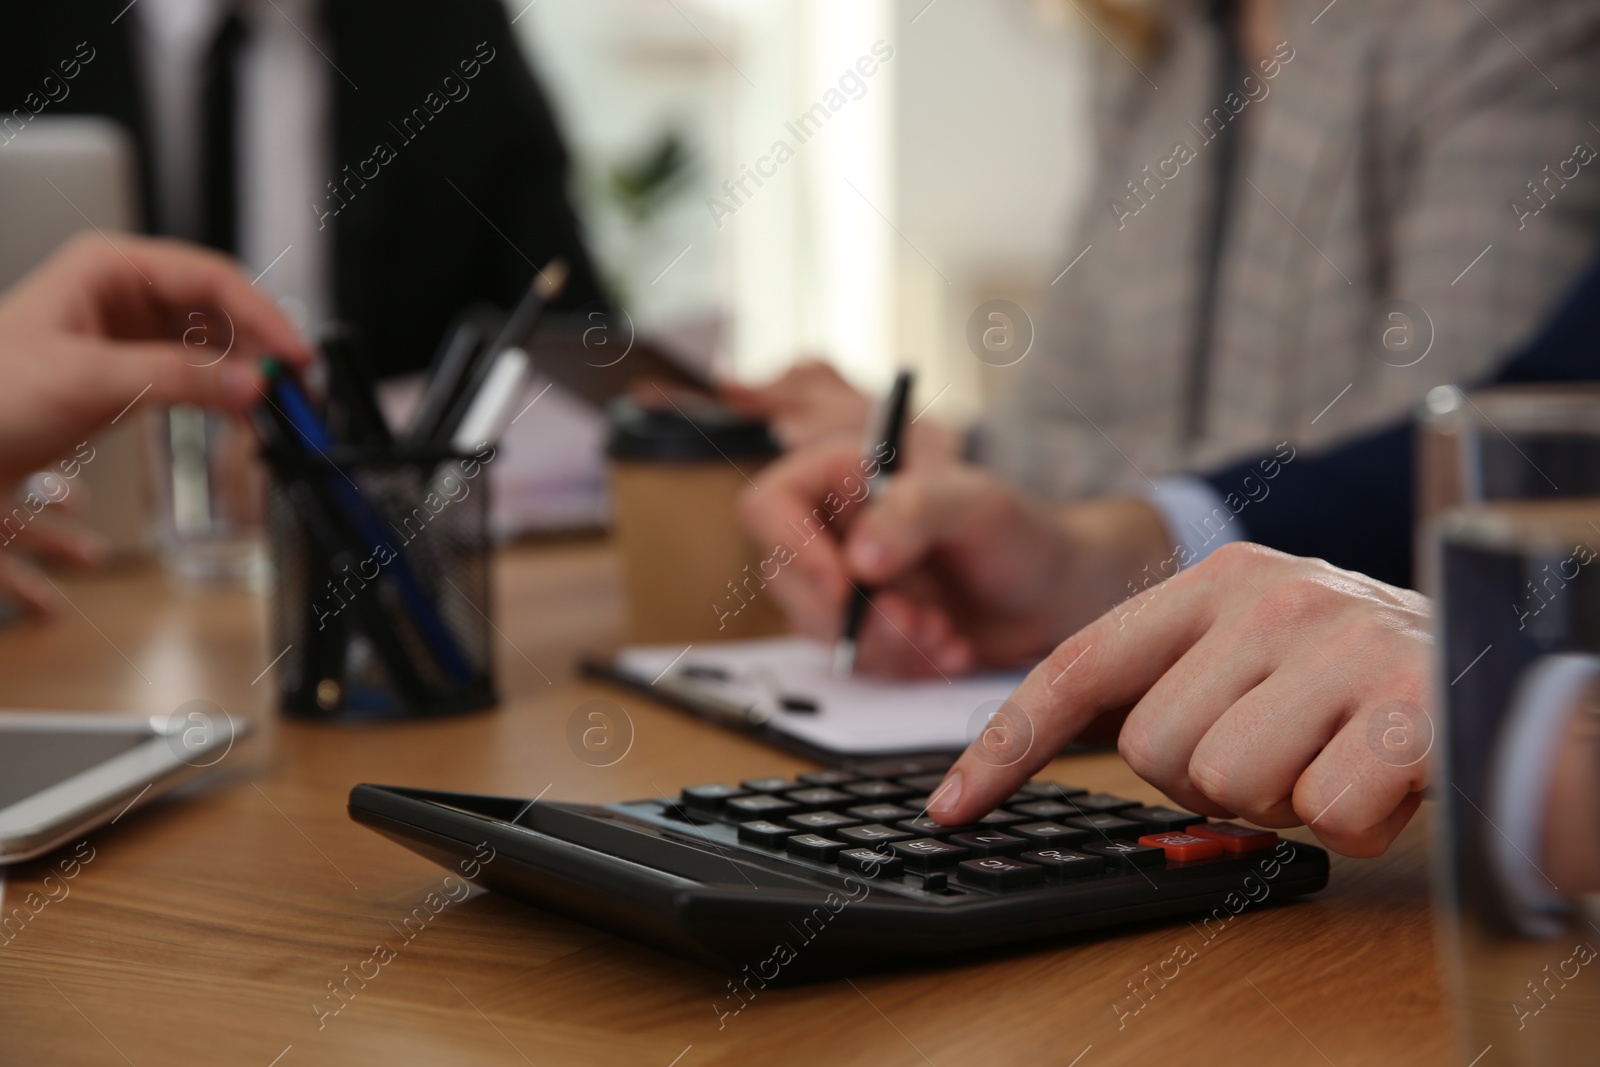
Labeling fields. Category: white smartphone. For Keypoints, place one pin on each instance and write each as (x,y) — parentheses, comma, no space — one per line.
(65,773)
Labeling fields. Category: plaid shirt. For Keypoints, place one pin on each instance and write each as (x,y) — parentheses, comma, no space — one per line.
(1412,195)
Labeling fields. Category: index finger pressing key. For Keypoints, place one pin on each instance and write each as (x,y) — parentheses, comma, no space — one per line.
(1109,664)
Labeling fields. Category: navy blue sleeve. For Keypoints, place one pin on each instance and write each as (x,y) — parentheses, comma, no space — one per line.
(1352,506)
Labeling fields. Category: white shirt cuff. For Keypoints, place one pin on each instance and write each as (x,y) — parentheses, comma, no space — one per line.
(1197,518)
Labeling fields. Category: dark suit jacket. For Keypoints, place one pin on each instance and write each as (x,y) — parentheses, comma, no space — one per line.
(1353,505)
(410,251)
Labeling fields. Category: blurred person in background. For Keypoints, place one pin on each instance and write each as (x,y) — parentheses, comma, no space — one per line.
(381,163)
(1302,219)
(385,163)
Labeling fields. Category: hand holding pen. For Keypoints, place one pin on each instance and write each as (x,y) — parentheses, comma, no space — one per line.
(964,571)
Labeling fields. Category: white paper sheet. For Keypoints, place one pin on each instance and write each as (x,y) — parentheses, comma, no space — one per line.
(855,716)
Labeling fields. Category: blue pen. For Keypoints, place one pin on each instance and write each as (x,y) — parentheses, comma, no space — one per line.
(303,417)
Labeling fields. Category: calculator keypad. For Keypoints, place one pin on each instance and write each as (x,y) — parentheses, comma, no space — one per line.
(876,825)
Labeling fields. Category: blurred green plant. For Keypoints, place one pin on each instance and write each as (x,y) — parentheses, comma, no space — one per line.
(643,184)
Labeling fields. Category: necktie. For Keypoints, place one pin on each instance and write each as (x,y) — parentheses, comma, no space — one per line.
(1231,69)
(219,135)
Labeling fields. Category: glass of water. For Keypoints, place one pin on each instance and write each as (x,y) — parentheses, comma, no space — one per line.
(1518,862)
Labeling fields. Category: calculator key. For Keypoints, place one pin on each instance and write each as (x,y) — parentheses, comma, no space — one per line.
(818,797)
(916,803)
(1184,848)
(1091,803)
(922,783)
(709,797)
(927,826)
(989,842)
(1162,819)
(1104,826)
(819,821)
(814,847)
(1052,790)
(831,776)
(880,812)
(1048,833)
(1235,838)
(1125,854)
(927,854)
(1043,809)
(762,832)
(769,785)
(872,864)
(758,806)
(1001,817)
(935,881)
(999,872)
(1063,863)
(872,834)
(878,789)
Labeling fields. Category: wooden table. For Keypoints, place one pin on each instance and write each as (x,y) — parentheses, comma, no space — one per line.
(207,925)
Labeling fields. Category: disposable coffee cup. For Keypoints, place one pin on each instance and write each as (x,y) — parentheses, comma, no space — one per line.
(676,472)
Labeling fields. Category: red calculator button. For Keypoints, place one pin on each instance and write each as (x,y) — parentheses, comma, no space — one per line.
(1183,848)
(1235,838)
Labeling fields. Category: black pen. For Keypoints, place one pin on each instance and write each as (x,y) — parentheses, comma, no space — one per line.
(483,410)
(885,434)
(463,345)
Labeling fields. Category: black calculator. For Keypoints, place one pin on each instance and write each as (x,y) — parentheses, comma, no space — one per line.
(841,871)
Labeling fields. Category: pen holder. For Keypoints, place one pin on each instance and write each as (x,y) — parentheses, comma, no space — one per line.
(382,584)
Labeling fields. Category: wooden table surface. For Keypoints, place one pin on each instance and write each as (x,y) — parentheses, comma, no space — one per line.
(207,925)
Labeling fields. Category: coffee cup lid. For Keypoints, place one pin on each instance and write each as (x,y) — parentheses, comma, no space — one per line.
(685,429)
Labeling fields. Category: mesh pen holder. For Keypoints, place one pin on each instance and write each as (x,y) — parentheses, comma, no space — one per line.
(382,584)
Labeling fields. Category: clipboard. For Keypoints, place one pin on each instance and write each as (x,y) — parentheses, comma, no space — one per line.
(745,686)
